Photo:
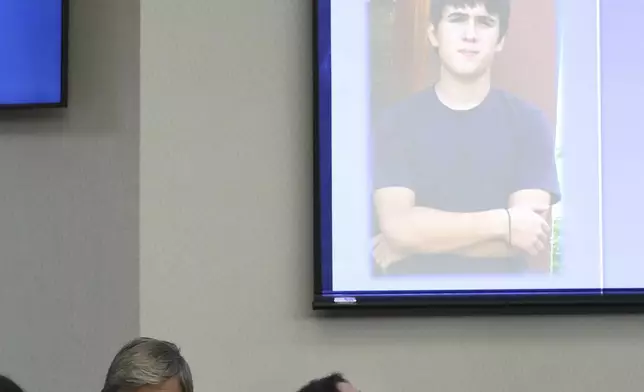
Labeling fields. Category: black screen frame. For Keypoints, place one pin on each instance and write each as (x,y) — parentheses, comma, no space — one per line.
(64,69)
(607,301)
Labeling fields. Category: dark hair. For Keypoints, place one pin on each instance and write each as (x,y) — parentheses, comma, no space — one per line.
(494,7)
(324,384)
(7,385)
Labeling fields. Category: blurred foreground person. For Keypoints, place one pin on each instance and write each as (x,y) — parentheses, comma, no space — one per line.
(148,365)
(332,383)
(8,385)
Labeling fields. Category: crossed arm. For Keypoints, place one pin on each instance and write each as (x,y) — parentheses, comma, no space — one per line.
(408,229)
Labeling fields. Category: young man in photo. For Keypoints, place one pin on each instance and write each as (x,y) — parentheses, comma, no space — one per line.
(464,174)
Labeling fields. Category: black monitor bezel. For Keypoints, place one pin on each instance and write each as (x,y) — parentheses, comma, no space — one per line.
(64,69)
(573,302)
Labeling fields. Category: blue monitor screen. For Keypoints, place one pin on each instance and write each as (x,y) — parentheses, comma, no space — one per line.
(32,48)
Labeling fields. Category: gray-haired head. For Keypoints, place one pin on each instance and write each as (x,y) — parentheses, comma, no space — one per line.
(147,362)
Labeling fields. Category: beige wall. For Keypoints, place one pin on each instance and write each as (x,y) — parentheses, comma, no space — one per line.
(225,226)
(226,233)
(69,212)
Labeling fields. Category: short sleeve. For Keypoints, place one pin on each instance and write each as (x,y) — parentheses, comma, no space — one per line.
(537,166)
(390,155)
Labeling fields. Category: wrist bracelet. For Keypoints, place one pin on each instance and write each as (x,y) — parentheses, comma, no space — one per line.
(507,210)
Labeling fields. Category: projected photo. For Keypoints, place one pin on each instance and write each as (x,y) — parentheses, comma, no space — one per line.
(460,145)
(463,104)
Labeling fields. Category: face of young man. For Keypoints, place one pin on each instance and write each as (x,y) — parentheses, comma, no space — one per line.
(467,39)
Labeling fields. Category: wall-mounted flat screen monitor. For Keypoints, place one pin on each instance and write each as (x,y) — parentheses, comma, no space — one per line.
(479,154)
(33,46)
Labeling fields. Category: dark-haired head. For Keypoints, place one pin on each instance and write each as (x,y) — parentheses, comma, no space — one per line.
(332,383)
(8,385)
(498,8)
(467,35)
